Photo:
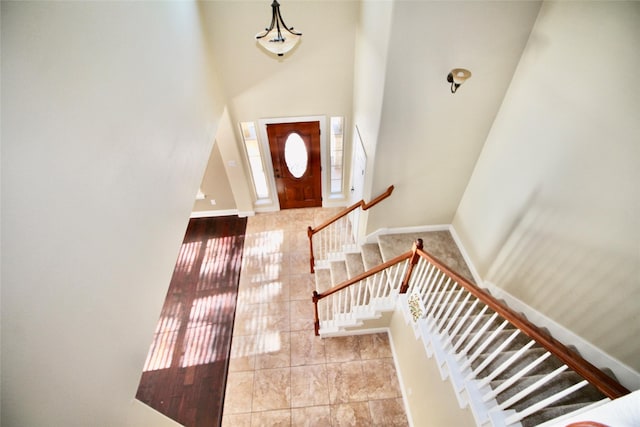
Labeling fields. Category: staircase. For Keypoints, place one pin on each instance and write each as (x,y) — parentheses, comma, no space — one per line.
(492,356)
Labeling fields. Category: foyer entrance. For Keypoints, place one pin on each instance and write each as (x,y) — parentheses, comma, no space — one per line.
(295,154)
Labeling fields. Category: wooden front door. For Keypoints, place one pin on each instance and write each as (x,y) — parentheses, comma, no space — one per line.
(295,153)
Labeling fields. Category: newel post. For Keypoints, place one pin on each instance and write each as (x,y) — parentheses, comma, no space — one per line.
(414,260)
(316,319)
(312,261)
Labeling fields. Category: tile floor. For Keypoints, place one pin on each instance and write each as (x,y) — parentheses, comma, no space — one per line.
(280,373)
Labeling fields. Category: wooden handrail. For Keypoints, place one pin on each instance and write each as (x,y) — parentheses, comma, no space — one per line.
(366,274)
(375,270)
(311,231)
(607,385)
(346,211)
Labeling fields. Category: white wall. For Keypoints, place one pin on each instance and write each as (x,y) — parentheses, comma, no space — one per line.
(370,67)
(430,400)
(108,118)
(429,139)
(552,211)
(215,186)
(315,78)
(372,42)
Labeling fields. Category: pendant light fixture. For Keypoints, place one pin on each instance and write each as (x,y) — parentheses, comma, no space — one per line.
(278,38)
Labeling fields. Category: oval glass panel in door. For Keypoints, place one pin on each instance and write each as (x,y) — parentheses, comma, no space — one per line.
(295,155)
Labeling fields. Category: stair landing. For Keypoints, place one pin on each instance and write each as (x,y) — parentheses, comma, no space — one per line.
(440,244)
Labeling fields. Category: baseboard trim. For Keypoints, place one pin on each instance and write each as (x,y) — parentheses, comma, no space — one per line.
(465,255)
(403,389)
(205,214)
(625,374)
(373,237)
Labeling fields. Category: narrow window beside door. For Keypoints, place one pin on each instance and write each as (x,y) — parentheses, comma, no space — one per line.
(255,160)
(336,154)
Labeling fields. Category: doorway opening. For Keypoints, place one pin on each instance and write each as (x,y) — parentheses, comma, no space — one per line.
(296,161)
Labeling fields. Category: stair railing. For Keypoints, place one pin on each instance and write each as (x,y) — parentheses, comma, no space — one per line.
(457,315)
(371,290)
(336,232)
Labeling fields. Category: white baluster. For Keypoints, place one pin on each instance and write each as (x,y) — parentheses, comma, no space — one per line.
(494,354)
(533,387)
(521,373)
(446,294)
(467,315)
(504,365)
(545,402)
(450,307)
(485,344)
(477,335)
(455,316)
(467,331)
(433,295)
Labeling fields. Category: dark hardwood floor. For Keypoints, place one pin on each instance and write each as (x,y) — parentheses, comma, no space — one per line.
(186,369)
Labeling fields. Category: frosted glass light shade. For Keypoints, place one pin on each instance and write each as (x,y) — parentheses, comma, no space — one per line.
(278,43)
(460,75)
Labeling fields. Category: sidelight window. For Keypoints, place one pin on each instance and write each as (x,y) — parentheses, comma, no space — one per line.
(255,160)
(336,147)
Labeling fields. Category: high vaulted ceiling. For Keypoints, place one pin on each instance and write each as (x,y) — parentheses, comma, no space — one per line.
(423,132)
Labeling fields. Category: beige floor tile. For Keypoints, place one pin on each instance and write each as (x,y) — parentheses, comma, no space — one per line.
(309,386)
(275,351)
(278,368)
(374,346)
(299,242)
(243,353)
(342,349)
(274,290)
(350,414)
(301,315)
(382,379)
(347,382)
(264,291)
(298,262)
(306,348)
(247,320)
(255,319)
(301,286)
(279,418)
(239,392)
(311,416)
(388,413)
(272,389)
(236,420)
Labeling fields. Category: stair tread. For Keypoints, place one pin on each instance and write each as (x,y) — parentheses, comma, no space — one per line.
(519,341)
(561,382)
(525,359)
(371,255)
(441,245)
(550,413)
(323,279)
(338,271)
(438,243)
(355,264)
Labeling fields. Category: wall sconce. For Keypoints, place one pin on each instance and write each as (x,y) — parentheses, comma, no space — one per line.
(456,77)
(274,39)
